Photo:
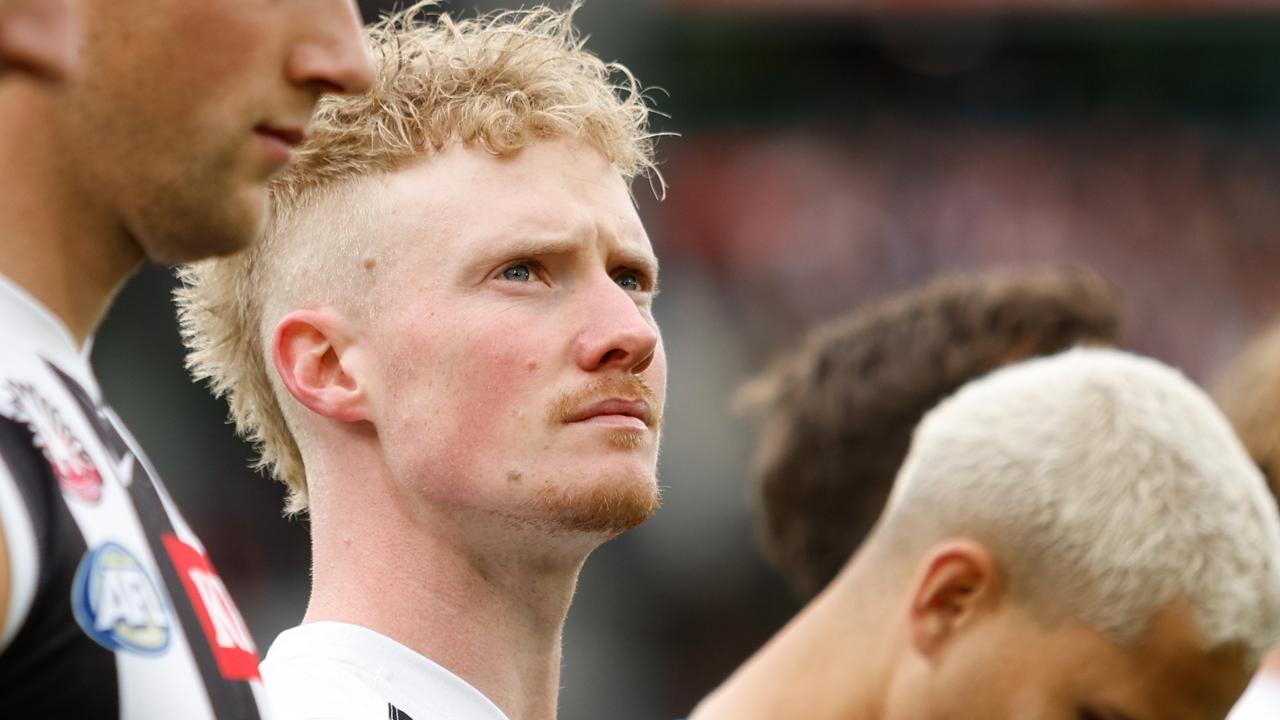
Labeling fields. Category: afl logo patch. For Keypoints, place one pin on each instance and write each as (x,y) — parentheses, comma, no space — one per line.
(117,604)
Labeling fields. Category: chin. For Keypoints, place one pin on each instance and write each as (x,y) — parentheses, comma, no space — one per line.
(229,229)
(610,507)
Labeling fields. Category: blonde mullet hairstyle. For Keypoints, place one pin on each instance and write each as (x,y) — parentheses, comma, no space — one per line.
(1107,487)
(499,82)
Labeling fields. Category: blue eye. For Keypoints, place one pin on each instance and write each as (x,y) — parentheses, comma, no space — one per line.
(519,272)
(628,281)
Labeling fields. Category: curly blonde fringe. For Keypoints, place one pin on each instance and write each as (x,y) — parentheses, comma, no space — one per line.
(500,82)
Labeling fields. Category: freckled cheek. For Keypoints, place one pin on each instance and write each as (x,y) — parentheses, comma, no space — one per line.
(500,386)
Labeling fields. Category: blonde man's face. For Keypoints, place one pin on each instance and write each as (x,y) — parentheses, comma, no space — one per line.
(518,370)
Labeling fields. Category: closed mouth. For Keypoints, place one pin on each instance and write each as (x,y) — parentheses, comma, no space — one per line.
(638,409)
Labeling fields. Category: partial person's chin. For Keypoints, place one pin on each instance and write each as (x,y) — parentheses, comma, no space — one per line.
(225,227)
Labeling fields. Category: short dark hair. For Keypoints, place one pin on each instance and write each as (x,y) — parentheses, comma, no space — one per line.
(837,413)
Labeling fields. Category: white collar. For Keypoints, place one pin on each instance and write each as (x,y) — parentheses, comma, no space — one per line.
(378,660)
(27,321)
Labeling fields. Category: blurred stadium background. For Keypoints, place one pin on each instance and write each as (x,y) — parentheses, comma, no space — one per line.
(832,151)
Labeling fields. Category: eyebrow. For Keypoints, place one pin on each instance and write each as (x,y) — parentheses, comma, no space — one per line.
(532,248)
(645,262)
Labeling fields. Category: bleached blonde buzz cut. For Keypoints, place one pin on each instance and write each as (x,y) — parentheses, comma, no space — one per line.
(498,81)
(1107,487)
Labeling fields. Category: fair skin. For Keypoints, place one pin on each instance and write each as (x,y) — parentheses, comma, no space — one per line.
(164,150)
(37,37)
(493,418)
(948,641)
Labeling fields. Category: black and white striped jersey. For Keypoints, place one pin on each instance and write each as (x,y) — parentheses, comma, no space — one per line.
(114,610)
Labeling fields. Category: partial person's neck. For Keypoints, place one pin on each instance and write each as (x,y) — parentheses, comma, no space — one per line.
(832,661)
(53,242)
(490,612)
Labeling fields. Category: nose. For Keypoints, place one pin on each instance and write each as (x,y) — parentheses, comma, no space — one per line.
(617,334)
(330,53)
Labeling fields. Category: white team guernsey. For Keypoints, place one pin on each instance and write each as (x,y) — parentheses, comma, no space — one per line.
(114,610)
(338,671)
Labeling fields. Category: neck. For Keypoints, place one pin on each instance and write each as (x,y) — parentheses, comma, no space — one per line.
(833,661)
(469,595)
(56,244)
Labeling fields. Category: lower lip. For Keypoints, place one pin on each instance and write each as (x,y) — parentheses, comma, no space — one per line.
(616,422)
(277,149)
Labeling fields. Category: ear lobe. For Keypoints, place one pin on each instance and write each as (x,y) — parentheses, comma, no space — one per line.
(309,350)
(959,582)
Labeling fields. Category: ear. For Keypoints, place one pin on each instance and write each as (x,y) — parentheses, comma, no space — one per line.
(959,581)
(37,36)
(309,350)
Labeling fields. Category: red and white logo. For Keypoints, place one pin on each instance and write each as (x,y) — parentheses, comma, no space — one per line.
(225,630)
(77,476)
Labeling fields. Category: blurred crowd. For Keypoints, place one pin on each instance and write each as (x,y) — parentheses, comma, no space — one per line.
(798,225)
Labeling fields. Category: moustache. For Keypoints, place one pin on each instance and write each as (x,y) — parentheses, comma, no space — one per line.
(622,387)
